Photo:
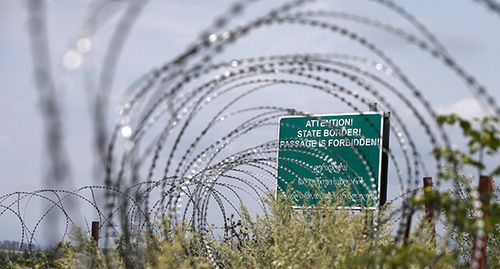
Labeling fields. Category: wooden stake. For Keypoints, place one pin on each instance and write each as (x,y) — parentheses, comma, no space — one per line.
(408,226)
(95,231)
(485,189)
(429,210)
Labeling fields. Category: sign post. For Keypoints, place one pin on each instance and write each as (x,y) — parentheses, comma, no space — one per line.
(337,154)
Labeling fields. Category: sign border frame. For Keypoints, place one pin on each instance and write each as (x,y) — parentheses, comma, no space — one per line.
(384,116)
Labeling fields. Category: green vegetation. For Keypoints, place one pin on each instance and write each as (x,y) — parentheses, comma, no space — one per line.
(288,238)
(483,139)
(324,238)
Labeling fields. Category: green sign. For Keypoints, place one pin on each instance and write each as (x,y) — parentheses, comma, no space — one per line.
(339,155)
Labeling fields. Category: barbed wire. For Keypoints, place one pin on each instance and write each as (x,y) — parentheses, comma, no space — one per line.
(185,146)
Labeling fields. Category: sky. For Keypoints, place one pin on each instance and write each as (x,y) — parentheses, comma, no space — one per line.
(165,28)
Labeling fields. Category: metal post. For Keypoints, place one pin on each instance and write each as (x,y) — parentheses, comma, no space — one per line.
(429,210)
(95,232)
(485,189)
